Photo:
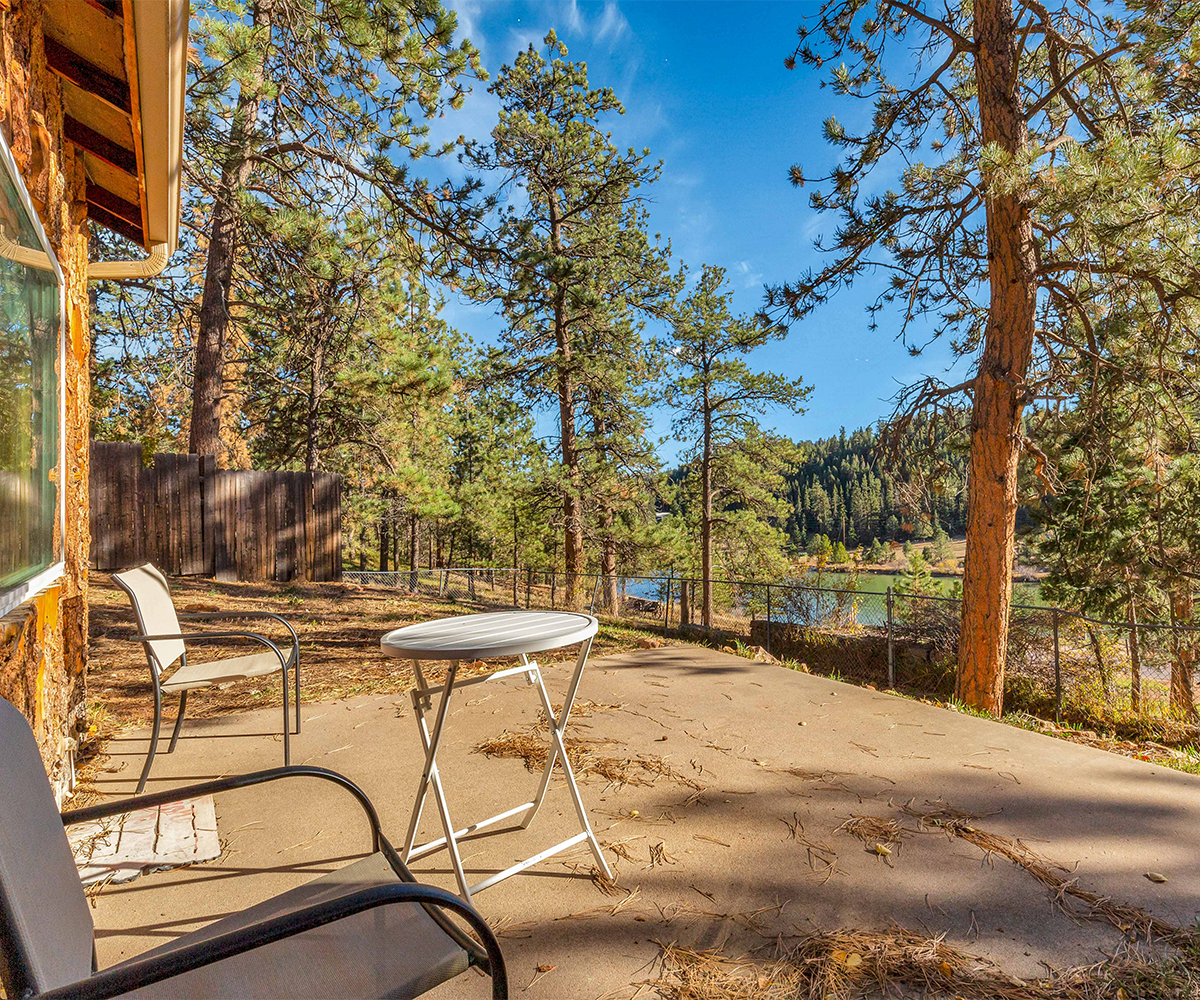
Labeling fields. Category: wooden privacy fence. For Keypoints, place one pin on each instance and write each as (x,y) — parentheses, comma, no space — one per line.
(190,518)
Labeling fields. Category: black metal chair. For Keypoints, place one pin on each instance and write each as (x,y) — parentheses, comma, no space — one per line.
(158,625)
(366,930)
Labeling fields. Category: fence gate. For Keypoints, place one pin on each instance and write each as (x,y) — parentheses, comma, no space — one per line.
(190,518)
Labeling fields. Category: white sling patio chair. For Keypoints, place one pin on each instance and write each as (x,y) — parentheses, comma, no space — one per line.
(367,929)
(160,635)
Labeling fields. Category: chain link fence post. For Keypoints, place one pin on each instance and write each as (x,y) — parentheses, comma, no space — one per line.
(891,640)
(1057,669)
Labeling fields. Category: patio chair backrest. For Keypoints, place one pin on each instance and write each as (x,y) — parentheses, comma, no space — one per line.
(45,923)
(155,612)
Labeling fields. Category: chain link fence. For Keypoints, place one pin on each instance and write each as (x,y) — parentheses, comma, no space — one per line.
(1059,663)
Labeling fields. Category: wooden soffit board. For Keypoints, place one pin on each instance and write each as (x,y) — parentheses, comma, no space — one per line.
(89,46)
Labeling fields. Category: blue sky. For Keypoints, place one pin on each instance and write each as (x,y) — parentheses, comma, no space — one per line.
(705,88)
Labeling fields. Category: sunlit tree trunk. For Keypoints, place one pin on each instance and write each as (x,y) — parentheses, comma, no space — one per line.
(999,387)
(706,595)
(208,374)
(572,514)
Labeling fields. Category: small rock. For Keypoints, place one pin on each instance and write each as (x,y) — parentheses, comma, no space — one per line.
(649,642)
(1156,877)
(760,655)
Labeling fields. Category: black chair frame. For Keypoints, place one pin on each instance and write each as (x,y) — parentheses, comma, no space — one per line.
(484,954)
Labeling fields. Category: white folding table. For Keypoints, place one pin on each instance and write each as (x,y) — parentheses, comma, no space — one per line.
(481,637)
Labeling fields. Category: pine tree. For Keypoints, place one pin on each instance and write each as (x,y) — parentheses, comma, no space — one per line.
(571,235)
(1056,132)
(308,107)
(716,397)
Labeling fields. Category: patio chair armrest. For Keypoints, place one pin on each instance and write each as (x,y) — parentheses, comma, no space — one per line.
(137,973)
(201,616)
(100,810)
(196,637)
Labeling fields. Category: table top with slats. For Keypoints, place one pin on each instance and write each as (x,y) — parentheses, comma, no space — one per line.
(480,637)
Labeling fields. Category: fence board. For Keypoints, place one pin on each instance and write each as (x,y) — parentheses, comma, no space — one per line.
(190,518)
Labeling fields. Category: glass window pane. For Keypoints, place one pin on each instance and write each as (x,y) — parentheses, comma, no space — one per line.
(30,324)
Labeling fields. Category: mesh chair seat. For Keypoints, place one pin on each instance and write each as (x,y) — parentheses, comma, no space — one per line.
(392,951)
(235,668)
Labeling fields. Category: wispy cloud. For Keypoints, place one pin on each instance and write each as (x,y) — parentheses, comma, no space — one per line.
(749,276)
(612,24)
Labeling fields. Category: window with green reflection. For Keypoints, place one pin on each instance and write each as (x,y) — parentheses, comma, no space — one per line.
(30,339)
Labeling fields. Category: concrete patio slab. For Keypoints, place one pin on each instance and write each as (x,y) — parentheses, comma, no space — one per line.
(767,763)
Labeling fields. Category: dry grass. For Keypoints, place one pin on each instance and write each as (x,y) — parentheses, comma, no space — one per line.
(822,859)
(1130,920)
(879,836)
(339,627)
(845,964)
(586,757)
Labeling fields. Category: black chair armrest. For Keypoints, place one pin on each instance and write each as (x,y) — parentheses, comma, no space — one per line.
(200,616)
(127,977)
(218,785)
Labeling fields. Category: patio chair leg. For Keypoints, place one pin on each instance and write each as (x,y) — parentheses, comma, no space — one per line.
(296,669)
(153,739)
(178,721)
(287,724)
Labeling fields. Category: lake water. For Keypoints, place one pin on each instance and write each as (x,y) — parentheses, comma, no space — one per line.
(868,583)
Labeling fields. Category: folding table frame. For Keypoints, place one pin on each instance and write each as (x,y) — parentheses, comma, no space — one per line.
(422,699)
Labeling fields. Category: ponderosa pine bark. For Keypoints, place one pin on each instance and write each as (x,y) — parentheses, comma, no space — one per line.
(572,506)
(999,387)
(706,516)
(208,373)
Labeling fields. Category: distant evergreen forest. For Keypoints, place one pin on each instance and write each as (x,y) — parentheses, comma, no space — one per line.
(844,488)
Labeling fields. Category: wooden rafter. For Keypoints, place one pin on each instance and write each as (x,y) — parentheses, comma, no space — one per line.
(93,142)
(127,210)
(110,220)
(87,76)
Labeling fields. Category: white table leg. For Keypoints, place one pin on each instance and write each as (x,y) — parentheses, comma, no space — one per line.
(560,725)
(559,749)
(419,698)
(430,776)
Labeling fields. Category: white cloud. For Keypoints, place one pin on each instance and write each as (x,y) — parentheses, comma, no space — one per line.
(574,17)
(750,277)
(612,24)
(468,12)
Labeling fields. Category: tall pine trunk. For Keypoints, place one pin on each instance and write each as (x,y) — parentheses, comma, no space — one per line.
(312,432)
(608,557)
(414,552)
(208,373)
(385,544)
(572,513)
(706,594)
(1000,379)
